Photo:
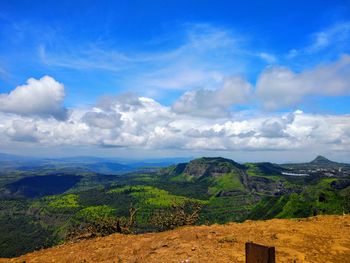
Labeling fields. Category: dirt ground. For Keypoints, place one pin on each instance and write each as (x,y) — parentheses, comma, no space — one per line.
(317,239)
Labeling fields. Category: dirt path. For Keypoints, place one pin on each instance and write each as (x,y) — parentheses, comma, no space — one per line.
(317,239)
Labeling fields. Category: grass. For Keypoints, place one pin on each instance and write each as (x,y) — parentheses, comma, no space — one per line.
(182,178)
(63,201)
(269,207)
(226,182)
(254,170)
(149,195)
(92,213)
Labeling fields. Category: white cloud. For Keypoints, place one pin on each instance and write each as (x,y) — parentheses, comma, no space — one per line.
(152,126)
(102,120)
(200,56)
(269,58)
(335,34)
(200,120)
(214,103)
(43,97)
(86,58)
(23,130)
(334,37)
(279,87)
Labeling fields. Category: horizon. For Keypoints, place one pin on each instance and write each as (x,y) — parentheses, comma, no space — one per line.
(174,160)
(246,81)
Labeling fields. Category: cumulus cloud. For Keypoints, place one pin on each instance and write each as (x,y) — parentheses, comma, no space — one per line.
(23,130)
(199,120)
(279,87)
(276,127)
(102,120)
(214,103)
(123,102)
(204,134)
(151,125)
(41,97)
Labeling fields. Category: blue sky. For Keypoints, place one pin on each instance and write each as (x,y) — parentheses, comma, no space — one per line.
(251,60)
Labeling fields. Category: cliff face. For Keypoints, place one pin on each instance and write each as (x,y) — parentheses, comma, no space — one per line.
(207,166)
(317,239)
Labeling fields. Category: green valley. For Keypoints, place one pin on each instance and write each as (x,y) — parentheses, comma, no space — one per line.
(39,209)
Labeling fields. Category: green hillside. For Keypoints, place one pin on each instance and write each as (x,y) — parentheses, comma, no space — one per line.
(225,191)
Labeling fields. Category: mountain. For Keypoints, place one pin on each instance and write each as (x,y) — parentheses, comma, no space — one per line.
(12,157)
(320,166)
(208,166)
(227,177)
(57,197)
(294,240)
(320,160)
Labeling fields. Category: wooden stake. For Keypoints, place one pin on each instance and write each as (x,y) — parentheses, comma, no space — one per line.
(255,253)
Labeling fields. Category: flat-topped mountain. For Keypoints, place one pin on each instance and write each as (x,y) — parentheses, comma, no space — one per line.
(207,166)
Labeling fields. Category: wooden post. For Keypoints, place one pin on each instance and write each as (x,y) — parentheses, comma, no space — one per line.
(255,253)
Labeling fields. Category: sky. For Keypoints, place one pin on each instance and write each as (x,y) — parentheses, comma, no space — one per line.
(251,81)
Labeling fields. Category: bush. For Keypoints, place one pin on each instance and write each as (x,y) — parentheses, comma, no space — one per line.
(101,226)
(186,213)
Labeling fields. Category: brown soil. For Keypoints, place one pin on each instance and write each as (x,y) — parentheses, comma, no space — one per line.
(316,239)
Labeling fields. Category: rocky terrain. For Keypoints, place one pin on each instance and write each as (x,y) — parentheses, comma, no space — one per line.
(315,239)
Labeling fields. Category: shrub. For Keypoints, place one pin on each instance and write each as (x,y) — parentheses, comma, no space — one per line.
(186,213)
(101,226)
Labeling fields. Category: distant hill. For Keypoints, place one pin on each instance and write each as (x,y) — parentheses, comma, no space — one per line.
(321,160)
(106,165)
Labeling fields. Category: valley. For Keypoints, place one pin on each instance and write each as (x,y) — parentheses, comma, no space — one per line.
(43,204)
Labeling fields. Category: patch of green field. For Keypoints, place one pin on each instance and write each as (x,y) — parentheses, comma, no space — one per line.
(314,200)
(63,201)
(149,195)
(226,182)
(325,182)
(182,178)
(296,207)
(92,213)
(269,207)
(254,170)
(227,208)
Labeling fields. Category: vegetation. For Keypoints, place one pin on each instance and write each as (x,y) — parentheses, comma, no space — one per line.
(100,222)
(47,210)
(186,213)
(65,201)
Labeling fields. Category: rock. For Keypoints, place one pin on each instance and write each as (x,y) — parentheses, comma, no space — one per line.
(227,239)
(340,184)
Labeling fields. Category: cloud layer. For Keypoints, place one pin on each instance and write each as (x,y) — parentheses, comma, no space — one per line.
(279,87)
(201,119)
(214,103)
(142,123)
